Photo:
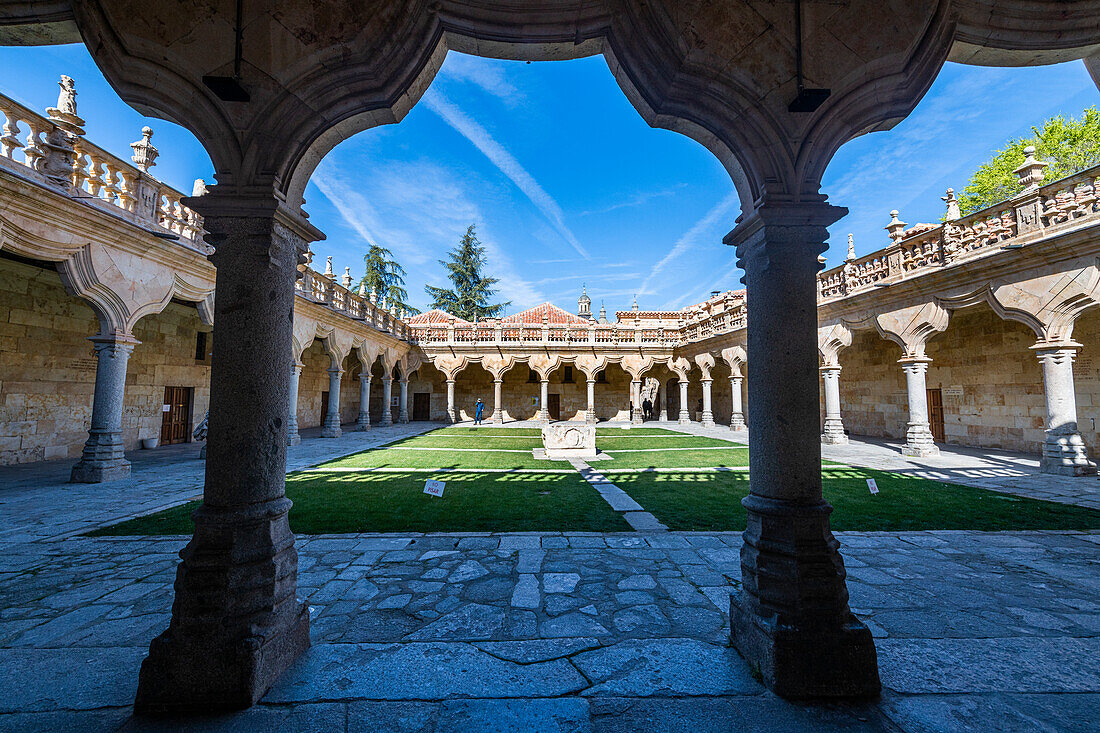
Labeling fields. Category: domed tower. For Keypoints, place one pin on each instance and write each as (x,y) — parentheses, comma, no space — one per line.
(584,304)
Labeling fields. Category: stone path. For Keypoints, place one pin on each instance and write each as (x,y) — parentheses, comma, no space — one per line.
(633,512)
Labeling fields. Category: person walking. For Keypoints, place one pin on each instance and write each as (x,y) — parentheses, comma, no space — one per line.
(479,410)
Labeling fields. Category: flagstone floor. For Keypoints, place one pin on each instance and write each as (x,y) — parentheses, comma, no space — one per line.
(543,631)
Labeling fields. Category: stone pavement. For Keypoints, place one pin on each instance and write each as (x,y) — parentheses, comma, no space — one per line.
(544,631)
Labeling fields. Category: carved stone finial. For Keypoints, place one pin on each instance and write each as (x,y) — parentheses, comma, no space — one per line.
(328,268)
(363,288)
(1030,172)
(64,114)
(895,227)
(851,248)
(952,204)
(373,295)
(199,189)
(145,155)
(347,278)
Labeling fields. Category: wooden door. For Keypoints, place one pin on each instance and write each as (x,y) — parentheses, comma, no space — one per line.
(324,407)
(553,406)
(935,414)
(422,406)
(175,426)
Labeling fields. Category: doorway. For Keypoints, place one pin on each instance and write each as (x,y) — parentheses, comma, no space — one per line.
(935,414)
(422,406)
(324,408)
(553,406)
(175,426)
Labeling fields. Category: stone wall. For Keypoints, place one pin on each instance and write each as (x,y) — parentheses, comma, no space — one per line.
(988,360)
(47,367)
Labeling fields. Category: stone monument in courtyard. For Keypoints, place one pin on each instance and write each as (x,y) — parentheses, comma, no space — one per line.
(562,442)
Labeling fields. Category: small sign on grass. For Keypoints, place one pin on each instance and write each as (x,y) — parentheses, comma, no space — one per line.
(435,488)
(872,485)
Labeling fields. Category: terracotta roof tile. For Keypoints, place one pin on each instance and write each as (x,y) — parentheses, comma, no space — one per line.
(433,316)
(556,316)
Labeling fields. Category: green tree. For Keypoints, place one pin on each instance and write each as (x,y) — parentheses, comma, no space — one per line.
(386,278)
(469,298)
(1069,145)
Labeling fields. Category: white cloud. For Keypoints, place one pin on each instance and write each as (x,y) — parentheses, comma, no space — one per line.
(486,74)
(505,162)
(690,238)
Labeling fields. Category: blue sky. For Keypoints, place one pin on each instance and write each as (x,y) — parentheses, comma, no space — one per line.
(567,184)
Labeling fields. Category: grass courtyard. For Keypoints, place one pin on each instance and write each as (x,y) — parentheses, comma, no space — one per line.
(494,484)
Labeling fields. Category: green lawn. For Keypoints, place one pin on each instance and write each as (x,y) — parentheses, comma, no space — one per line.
(732,457)
(381,458)
(396,502)
(635,431)
(641,442)
(481,442)
(711,501)
(487,431)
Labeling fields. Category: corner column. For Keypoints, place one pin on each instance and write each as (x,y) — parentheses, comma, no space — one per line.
(363,423)
(1064,451)
(387,397)
(707,417)
(331,427)
(403,401)
(236,623)
(451,416)
(544,394)
(737,412)
(104,456)
(292,435)
(498,410)
(791,619)
(833,434)
(918,434)
(590,413)
(684,418)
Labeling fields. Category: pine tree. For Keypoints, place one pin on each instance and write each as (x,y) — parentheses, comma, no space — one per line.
(469,298)
(386,278)
(1068,145)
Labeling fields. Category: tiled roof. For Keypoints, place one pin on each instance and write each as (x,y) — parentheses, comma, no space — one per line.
(556,316)
(433,316)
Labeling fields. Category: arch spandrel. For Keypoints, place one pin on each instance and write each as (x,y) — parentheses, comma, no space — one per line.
(722,73)
(911,327)
(830,340)
(736,358)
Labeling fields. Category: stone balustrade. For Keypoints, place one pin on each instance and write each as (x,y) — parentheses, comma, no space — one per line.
(492,332)
(323,289)
(54,150)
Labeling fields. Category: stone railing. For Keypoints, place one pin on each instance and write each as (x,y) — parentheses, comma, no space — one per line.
(54,150)
(1035,213)
(493,332)
(323,289)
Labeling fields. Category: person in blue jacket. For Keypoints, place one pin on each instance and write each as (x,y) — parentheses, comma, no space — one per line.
(479,410)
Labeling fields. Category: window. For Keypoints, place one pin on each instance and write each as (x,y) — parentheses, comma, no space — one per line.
(200,346)
(532,376)
(601,378)
(567,378)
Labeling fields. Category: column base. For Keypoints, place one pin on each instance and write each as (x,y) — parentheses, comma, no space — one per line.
(386,421)
(799,663)
(293,438)
(707,420)
(202,451)
(590,418)
(94,472)
(497,418)
(236,623)
(738,423)
(834,439)
(1065,454)
(1060,467)
(329,431)
(664,416)
(403,419)
(451,417)
(362,426)
(920,450)
(684,418)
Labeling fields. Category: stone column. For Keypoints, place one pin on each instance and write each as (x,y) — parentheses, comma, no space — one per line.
(104,457)
(737,413)
(451,416)
(685,416)
(636,401)
(544,391)
(590,413)
(403,401)
(791,619)
(363,423)
(833,434)
(918,435)
(708,414)
(387,414)
(292,436)
(498,409)
(331,426)
(1064,451)
(236,623)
